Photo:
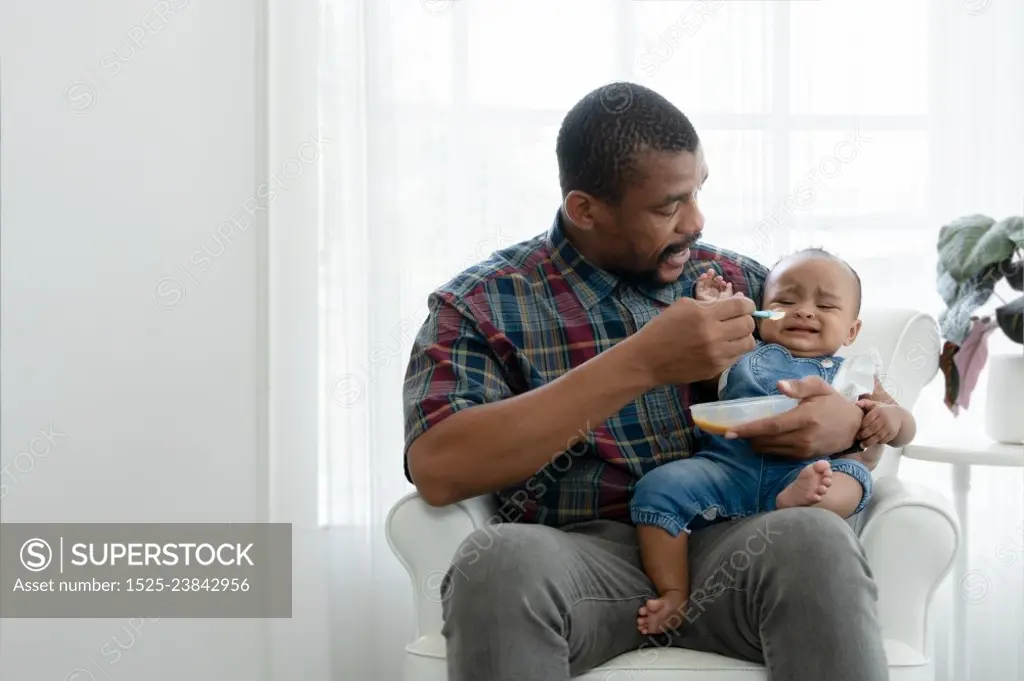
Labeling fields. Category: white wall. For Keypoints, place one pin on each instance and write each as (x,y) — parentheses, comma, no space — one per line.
(116,168)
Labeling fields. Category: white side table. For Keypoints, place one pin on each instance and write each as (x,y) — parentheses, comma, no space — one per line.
(963,453)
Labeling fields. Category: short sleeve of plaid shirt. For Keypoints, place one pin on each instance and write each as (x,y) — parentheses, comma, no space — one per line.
(451,367)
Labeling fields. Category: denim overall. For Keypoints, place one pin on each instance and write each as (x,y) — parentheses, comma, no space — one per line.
(726,478)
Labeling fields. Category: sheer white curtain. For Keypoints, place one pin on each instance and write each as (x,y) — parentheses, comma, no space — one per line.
(861,126)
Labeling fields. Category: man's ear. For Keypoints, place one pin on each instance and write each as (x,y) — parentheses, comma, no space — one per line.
(854,330)
(581,209)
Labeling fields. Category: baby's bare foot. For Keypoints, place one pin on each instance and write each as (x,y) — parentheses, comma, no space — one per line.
(809,488)
(656,616)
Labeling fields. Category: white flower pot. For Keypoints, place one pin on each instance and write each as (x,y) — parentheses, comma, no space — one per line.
(1004,408)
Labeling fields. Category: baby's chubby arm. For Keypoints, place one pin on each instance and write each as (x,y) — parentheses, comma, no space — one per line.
(885,421)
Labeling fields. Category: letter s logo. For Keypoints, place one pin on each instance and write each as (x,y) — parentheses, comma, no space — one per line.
(36,555)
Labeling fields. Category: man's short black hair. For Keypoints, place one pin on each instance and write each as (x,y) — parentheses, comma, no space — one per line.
(822,253)
(602,135)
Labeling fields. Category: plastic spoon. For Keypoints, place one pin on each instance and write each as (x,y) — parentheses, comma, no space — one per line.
(773,315)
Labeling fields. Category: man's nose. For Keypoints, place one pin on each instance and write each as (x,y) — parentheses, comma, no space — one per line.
(690,229)
(698,219)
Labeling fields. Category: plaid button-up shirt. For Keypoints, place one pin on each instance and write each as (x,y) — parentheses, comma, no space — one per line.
(529,314)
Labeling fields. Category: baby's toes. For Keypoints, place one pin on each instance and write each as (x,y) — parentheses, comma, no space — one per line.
(821,468)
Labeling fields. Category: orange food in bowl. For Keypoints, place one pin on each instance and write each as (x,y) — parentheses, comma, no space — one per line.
(708,427)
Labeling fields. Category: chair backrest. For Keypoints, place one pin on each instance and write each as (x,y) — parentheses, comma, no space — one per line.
(909,343)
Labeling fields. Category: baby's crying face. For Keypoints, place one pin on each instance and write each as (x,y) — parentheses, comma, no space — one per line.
(820,298)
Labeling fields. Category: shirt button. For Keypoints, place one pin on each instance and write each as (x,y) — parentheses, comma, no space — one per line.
(827,363)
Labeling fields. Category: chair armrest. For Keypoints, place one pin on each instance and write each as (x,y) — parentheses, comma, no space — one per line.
(425,538)
(910,535)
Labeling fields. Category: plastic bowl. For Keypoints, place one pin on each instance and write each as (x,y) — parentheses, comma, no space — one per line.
(719,417)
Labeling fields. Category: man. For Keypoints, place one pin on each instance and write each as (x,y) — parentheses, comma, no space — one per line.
(560,371)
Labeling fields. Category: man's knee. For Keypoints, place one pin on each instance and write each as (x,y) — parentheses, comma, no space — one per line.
(807,544)
(505,561)
(814,563)
(795,525)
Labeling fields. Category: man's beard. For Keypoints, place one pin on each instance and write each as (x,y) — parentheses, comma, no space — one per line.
(649,277)
(646,278)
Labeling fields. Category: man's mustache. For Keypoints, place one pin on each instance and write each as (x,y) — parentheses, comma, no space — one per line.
(680,247)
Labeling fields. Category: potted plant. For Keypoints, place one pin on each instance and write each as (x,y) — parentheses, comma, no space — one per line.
(976,253)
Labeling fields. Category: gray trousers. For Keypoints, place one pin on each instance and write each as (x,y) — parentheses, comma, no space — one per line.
(791,589)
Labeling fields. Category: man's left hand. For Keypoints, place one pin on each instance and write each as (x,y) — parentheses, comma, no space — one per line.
(823,423)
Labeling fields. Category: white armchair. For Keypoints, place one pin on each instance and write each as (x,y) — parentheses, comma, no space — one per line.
(910,535)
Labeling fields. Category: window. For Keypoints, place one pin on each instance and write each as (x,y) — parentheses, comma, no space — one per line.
(823,124)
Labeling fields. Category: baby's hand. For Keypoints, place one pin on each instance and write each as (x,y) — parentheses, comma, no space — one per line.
(880,425)
(712,287)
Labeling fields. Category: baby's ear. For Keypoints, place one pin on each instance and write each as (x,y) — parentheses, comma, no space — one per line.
(854,331)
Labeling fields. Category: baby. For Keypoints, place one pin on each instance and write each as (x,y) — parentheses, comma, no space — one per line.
(820,295)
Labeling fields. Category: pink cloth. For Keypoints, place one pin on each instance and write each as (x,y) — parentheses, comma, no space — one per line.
(970,359)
